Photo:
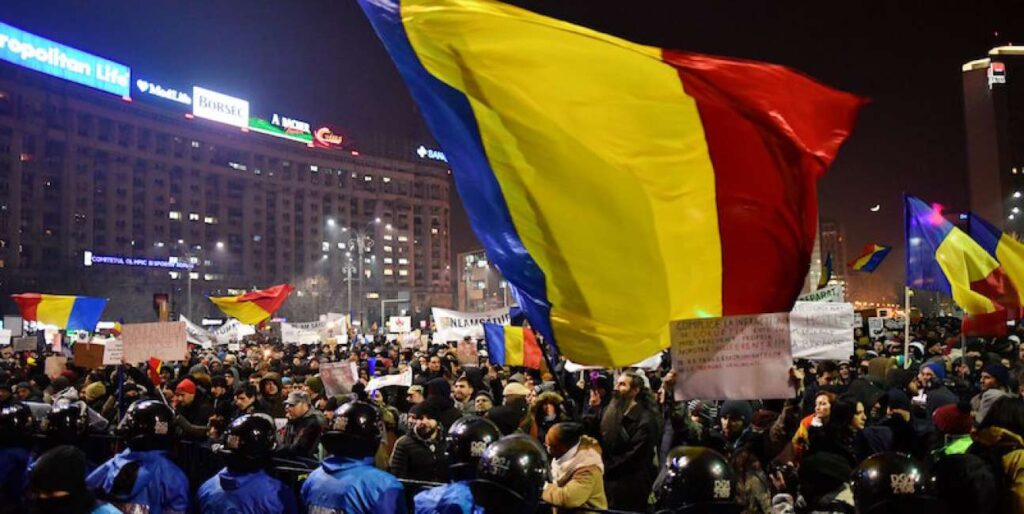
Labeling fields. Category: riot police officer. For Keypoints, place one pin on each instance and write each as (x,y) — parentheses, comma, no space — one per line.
(243,485)
(693,480)
(16,428)
(510,476)
(143,478)
(347,481)
(466,442)
(892,483)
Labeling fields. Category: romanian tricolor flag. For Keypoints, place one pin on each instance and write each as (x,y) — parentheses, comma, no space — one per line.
(870,257)
(618,186)
(941,257)
(509,345)
(66,312)
(1001,246)
(253,307)
(153,366)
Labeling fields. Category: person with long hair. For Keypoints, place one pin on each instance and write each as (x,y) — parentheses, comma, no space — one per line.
(822,410)
(629,436)
(999,441)
(839,434)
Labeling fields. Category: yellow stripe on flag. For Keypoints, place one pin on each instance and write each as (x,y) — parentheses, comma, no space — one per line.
(246,312)
(964,261)
(641,161)
(514,354)
(55,309)
(1010,254)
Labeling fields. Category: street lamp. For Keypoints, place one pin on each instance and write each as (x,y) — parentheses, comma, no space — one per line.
(348,269)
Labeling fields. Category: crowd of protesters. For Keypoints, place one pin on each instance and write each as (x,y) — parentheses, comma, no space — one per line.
(942,430)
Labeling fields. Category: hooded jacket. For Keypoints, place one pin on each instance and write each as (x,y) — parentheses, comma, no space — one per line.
(578,478)
(160,487)
(1008,448)
(228,492)
(275,403)
(352,486)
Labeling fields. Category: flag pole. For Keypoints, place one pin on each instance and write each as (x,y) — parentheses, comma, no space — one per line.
(907,293)
(547,351)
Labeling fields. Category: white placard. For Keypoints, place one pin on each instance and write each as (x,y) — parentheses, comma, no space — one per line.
(834,293)
(454,325)
(5,337)
(821,331)
(197,335)
(399,324)
(113,351)
(15,324)
(165,341)
(292,334)
(401,379)
(876,326)
(732,358)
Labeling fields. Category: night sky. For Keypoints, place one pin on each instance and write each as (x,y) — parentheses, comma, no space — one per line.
(320,61)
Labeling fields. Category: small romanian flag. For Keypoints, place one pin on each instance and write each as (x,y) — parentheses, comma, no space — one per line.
(154,364)
(872,255)
(66,312)
(256,306)
(508,345)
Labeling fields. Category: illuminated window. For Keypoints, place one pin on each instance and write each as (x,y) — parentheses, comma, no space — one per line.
(433,231)
(403,261)
(174,275)
(193,216)
(388,271)
(387,248)
(402,239)
(314,167)
(193,275)
(387,260)
(403,272)
(210,220)
(341,246)
(387,237)
(174,215)
(367,178)
(195,144)
(325,246)
(386,179)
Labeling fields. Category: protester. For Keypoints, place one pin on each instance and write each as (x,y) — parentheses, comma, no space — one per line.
(629,437)
(419,455)
(577,470)
(302,432)
(57,485)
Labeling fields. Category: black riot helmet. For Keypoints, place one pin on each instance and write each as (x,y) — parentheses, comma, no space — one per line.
(695,479)
(467,440)
(249,442)
(355,431)
(16,426)
(147,425)
(65,424)
(510,475)
(891,483)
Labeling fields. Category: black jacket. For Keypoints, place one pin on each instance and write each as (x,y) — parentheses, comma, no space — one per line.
(416,459)
(301,437)
(193,418)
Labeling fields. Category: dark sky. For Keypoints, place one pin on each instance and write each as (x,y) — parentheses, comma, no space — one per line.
(319,60)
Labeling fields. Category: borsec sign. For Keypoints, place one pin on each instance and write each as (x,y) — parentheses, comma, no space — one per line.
(219,107)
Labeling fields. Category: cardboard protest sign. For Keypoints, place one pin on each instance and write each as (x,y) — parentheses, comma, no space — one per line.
(339,377)
(821,331)
(165,341)
(468,353)
(88,355)
(24,344)
(732,358)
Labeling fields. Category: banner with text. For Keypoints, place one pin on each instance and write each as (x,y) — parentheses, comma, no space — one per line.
(732,358)
(401,379)
(454,325)
(834,293)
(301,333)
(165,341)
(821,330)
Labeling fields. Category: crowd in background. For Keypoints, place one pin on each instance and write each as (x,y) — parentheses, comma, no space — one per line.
(944,428)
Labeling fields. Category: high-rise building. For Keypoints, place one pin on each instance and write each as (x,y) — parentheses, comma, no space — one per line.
(832,241)
(994,116)
(184,192)
(480,285)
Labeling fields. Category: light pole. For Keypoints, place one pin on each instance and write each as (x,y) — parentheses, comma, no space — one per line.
(348,269)
(363,243)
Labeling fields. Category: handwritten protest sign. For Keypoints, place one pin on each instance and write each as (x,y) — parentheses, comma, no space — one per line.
(338,377)
(734,358)
(821,330)
(114,351)
(468,353)
(165,341)
(876,326)
(87,355)
(24,344)
(55,365)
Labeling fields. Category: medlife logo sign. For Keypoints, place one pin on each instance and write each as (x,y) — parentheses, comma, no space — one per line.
(154,89)
(220,107)
(41,54)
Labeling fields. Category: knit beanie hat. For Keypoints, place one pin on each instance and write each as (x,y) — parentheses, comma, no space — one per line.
(185,387)
(998,372)
(938,369)
(953,419)
(94,391)
(316,384)
(737,408)
(821,472)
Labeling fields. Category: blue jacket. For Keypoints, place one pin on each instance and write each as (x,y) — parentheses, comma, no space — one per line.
(352,486)
(248,493)
(160,485)
(454,498)
(14,464)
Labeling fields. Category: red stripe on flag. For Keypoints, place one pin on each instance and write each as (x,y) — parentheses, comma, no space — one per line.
(27,304)
(531,350)
(771,133)
(269,299)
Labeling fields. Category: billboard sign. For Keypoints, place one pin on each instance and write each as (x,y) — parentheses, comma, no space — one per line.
(324,137)
(45,56)
(91,259)
(431,154)
(219,107)
(148,88)
(283,127)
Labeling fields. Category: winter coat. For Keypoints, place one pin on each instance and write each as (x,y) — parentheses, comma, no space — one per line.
(1008,447)
(301,436)
(578,479)
(416,459)
(256,492)
(159,487)
(275,403)
(629,462)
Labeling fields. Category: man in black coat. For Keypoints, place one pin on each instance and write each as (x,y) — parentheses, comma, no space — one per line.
(194,409)
(302,433)
(420,454)
(629,438)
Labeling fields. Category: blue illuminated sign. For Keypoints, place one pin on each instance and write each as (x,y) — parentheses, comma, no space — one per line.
(172,263)
(430,153)
(43,55)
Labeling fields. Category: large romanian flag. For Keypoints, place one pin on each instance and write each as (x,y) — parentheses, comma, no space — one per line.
(941,257)
(66,312)
(254,307)
(618,186)
(1001,246)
